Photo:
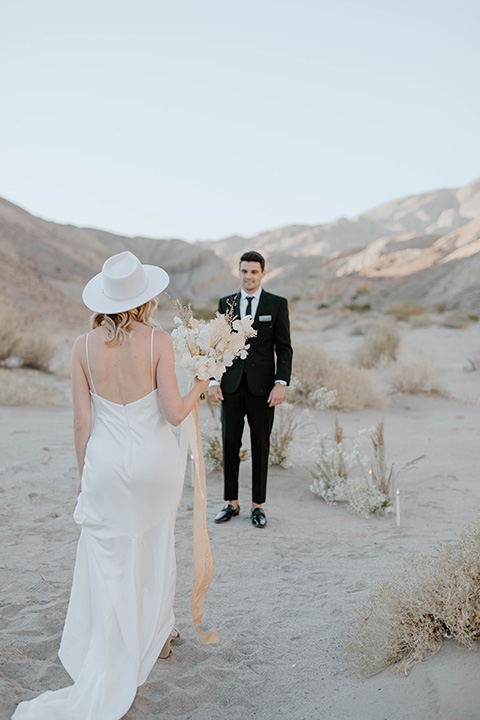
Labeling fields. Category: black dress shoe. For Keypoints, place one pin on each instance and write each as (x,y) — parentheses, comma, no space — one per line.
(258,518)
(226,513)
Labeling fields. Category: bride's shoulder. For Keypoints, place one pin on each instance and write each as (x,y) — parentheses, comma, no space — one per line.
(79,343)
(162,338)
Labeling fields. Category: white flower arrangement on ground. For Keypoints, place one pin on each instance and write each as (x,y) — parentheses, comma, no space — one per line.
(334,465)
(323,399)
(206,349)
(342,475)
(364,497)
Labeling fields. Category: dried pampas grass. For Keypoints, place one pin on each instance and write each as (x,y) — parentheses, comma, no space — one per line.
(288,422)
(431,598)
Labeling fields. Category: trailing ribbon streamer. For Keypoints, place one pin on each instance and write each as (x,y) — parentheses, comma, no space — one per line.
(202,553)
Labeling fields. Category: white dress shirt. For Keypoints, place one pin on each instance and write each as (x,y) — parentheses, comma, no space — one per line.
(243,302)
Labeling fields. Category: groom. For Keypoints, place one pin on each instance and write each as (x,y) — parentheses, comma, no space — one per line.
(253,387)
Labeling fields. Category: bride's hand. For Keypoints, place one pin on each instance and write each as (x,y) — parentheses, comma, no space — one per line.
(201,385)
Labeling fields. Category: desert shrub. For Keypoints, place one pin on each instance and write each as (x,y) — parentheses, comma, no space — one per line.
(409,615)
(473,317)
(36,347)
(322,306)
(455,319)
(288,421)
(357,307)
(21,389)
(381,343)
(314,367)
(363,287)
(360,329)
(415,377)
(9,331)
(419,321)
(404,309)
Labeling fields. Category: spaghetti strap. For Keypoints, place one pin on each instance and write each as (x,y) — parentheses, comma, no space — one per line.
(88,364)
(151,359)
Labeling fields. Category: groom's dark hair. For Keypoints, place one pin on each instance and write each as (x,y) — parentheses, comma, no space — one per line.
(252,256)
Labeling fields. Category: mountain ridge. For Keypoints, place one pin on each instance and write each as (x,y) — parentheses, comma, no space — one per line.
(415,245)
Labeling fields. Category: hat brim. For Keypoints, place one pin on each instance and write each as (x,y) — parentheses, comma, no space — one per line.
(96,300)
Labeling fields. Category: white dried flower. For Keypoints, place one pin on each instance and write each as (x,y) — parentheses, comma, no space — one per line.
(206,349)
(323,399)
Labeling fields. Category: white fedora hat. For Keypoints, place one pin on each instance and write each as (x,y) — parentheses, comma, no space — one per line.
(123,284)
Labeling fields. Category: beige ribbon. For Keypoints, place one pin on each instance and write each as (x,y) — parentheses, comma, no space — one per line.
(202,553)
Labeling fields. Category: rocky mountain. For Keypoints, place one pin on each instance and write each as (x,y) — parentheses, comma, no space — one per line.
(44,265)
(434,213)
(424,246)
(405,238)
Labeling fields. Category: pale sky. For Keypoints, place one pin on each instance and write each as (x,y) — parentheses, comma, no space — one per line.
(201,119)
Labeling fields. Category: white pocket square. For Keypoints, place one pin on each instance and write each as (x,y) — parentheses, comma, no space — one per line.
(265,318)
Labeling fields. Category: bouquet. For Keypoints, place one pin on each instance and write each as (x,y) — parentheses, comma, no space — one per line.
(206,349)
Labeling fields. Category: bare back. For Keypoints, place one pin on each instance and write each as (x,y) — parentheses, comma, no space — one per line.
(121,373)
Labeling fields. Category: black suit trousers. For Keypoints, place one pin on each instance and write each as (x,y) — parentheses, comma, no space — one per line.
(235,407)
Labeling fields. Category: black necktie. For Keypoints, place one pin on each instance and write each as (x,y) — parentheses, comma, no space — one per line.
(249,298)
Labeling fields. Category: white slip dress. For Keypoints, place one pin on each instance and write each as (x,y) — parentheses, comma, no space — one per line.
(121,605)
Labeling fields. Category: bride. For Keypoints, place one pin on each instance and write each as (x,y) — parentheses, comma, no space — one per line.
(125,396)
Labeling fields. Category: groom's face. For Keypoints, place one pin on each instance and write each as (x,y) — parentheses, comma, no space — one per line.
(251,275)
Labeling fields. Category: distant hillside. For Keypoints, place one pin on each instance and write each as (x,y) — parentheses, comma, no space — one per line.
(424,246)
(404,238)
(44,265)
(434,213)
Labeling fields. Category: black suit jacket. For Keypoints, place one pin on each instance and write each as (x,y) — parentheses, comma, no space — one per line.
(271,342)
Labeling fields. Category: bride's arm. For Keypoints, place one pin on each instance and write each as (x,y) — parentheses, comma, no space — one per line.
(175,408)
(82,414)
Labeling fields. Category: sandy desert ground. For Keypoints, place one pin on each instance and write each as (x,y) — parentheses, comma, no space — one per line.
(283,599)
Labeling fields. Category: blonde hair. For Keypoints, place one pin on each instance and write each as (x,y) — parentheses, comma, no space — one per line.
(119,325)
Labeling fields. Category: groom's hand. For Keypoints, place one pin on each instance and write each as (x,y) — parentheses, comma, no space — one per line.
(277,396)
(215,394)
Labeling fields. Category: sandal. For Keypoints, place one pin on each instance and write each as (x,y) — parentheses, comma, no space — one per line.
(167,650)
